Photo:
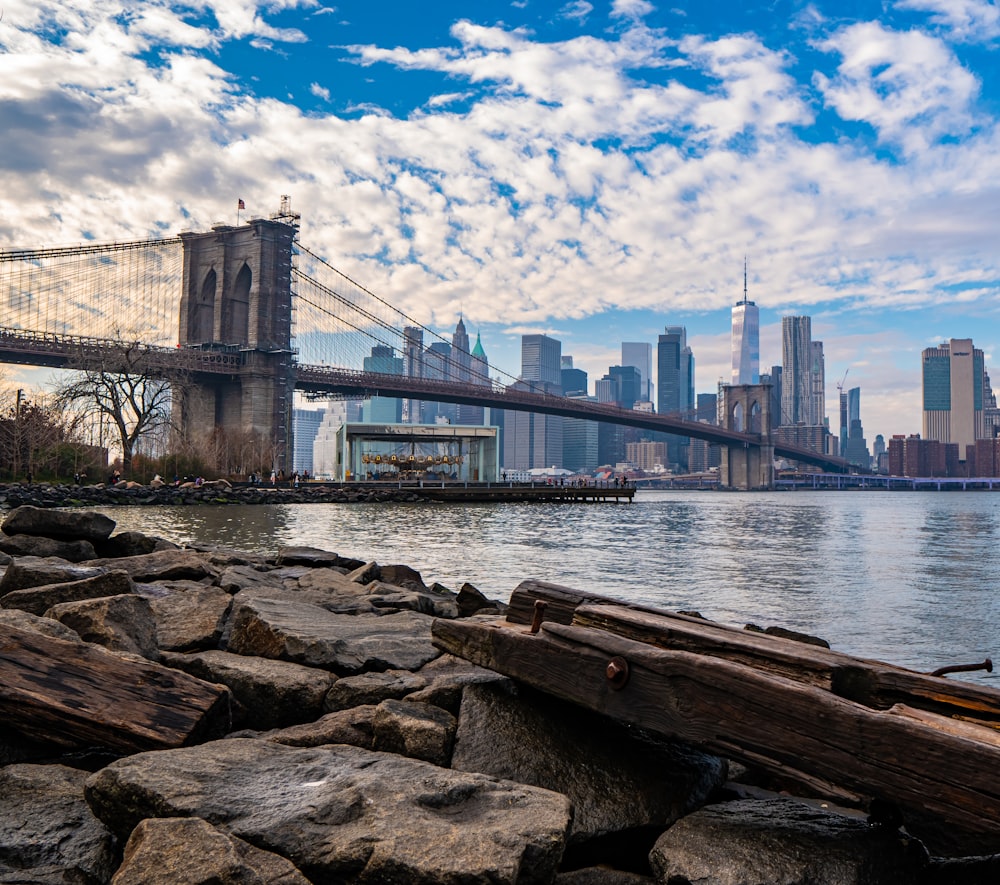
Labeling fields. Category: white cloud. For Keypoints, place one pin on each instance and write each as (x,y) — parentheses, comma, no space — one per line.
(908,86)
(557,181)
(632,9)
(576,9)
(969,20)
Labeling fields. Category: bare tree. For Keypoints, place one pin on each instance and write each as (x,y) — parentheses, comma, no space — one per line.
(35,437)
(126,385)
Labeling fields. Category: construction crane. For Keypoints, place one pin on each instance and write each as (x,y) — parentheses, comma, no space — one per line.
(840,386)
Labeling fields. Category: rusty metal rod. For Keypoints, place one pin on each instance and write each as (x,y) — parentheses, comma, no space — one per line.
(986,665)
(536,620)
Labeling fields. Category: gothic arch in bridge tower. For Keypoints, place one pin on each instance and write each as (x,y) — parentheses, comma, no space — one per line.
(236,309)
(750,464)
(737,423)
(202,310)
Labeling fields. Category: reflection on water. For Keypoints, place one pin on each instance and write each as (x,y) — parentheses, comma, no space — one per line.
(905,577)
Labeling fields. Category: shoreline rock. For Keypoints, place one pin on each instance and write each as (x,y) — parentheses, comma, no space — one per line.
(47,495)
(234,717)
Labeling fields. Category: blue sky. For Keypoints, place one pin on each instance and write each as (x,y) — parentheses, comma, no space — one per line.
(593,170)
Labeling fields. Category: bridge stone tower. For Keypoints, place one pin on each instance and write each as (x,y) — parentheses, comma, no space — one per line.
(237,298)
(747,409)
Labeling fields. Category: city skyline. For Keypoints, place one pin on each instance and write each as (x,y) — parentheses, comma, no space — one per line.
(593,171)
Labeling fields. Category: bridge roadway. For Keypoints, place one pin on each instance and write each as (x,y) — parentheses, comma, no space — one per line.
(45,349)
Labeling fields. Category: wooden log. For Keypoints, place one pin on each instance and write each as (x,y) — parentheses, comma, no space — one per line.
(560,602)
(78,695)
(748,714)
(872,683)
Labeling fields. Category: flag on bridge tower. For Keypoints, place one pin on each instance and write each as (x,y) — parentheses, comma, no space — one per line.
(241,204)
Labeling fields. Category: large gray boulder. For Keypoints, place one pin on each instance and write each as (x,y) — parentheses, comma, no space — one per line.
(166,565)
(402,576)
(38,600)
(245,577)
(471,600)
(313,557)
(37,545)
(371,688)
(66,524)
(781,841)
(190,851)
(331,589)
(355,727)
(362,591)
(273,694)
(23,620)
(447,677)
(617,781)
(133,544)
(420,731)
(346,644)
(34,571)
(119,623)
(189,616)
(391,597)
(47,830)
(343,814)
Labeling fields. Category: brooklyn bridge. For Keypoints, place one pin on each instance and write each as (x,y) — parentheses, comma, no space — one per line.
(250,315)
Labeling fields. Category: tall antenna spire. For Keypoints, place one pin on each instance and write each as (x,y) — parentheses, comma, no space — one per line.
(744,278)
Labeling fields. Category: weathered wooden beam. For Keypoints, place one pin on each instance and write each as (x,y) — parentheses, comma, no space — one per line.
(919,764)
(872,683)
(77,695)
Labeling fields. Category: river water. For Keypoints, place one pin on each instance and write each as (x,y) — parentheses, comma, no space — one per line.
(905,577)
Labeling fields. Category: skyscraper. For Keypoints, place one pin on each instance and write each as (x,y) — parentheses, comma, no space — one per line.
(579,435)
(437,365)
(480,366)
(541,359)
(305,426)
(574,381)
(674,371)
(817,383)
(461,358)
(413,367)
(674,385)
(628,385)
(746,339)
(640,355)
(796,371)
(383,409)
(461,370)
(954,389)
(535,440)
(856,450)
(774,379)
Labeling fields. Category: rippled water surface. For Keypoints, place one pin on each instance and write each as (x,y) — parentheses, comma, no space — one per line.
(904,577)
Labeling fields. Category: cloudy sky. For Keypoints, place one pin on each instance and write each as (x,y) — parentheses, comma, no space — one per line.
(595,170)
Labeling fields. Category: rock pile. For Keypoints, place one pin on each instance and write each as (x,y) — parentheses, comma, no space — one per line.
(203,715)
(214,492)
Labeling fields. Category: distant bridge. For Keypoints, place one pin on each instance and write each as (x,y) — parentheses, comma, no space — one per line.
(232,311)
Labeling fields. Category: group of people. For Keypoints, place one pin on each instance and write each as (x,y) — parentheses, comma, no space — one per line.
(578,482)
(278,476)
